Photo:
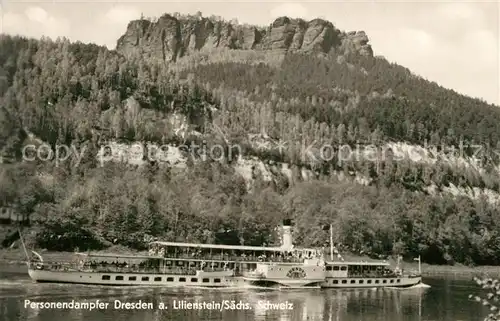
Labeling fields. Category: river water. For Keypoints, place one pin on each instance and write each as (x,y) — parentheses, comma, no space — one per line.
(445,300)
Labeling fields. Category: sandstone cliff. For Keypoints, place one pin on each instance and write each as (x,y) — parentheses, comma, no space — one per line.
(172,37)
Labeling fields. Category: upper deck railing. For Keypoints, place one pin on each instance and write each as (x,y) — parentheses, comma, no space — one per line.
(234,258)
(119,268)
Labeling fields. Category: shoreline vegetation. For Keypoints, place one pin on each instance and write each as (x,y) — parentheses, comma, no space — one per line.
(16,256)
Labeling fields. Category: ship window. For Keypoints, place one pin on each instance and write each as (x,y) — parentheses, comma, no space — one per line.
(145,278)
(377,281)
(119,278)
(132,278)
(182,279)
(205,280)
(328,268)
(384,281)
(398,280)
(353,281)
(343,268)
(170,279)
(392,281)
(194,280)
(216,280)
(157,279)
(361,281)
(336,268)
(344,281)
(335,281)
(369,281)
(106,277)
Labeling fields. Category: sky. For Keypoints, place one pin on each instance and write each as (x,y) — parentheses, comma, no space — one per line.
(453,43)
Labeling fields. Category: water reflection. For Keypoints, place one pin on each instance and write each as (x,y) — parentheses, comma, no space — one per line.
(308,305)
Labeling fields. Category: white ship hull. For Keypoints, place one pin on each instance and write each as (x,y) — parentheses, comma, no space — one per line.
(284,282)
(131,279)
(356,283)
(166,280)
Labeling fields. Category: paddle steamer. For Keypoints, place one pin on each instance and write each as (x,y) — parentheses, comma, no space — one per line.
(173,264)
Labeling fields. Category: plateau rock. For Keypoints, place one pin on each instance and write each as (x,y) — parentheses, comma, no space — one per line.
(172,37)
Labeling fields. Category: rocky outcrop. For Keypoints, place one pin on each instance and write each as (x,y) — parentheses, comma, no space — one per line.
(160,39)
(280,34)
(356,42)
(321,36)
(172,37)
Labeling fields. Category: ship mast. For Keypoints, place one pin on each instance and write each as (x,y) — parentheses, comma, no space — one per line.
(24,247)
(331,242)
(419,264)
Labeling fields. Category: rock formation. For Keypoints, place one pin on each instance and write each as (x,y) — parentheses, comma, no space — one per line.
(172,37)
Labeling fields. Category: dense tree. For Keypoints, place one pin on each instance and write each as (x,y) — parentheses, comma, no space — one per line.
(274,108)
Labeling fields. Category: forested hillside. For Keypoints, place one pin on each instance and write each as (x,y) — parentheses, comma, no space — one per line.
(272,111)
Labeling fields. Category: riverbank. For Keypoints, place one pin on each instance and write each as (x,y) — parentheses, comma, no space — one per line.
(459,270)
(17,257)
